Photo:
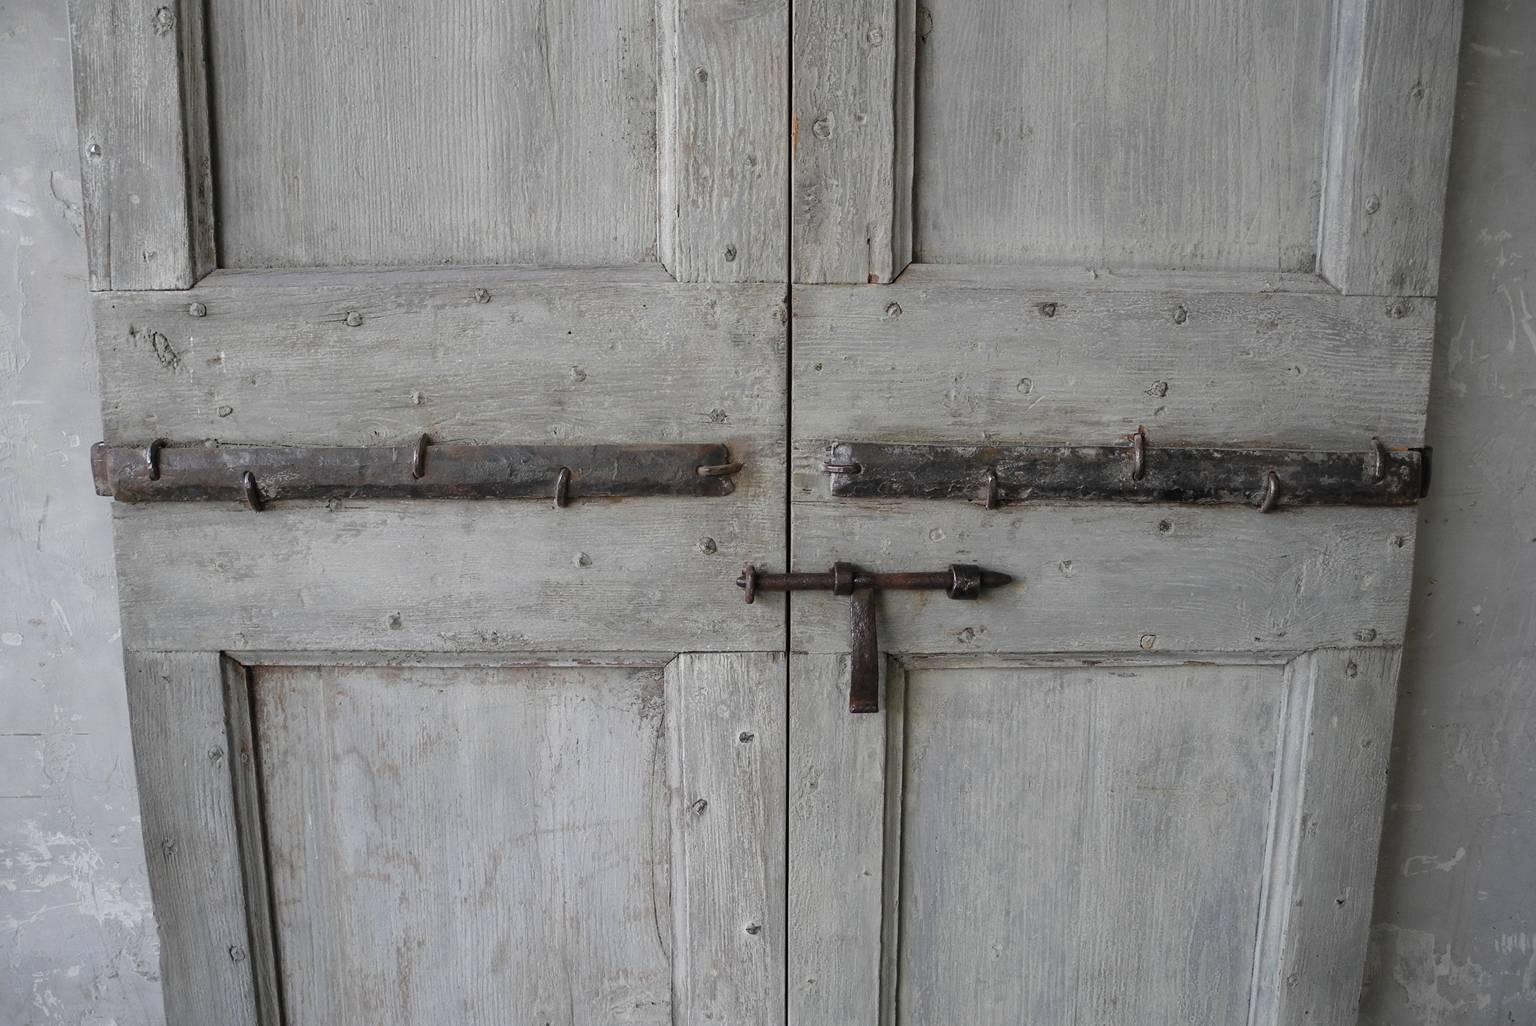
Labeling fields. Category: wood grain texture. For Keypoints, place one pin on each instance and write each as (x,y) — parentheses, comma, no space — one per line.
(1097,578)
(572,356)
(729,718)
(250,815)
(1330,792)
(938,363)
(837,874)
(399,133)
(626,576)
(1083,845)
(853,97)
(1181,136)
(1393,93)
(482,845)
(723,139)
(191,836)
(141,105)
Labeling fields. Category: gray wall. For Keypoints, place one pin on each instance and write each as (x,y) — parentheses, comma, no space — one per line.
(1455,940)
(1455,934)
(77,943)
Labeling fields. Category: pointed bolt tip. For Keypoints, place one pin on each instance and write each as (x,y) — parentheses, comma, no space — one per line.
(995,578)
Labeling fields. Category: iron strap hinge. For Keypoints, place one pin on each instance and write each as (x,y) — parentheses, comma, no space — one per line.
(257,475)
(960,581)
(998,475)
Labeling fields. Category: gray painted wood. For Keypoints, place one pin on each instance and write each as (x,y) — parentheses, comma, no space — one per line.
(837,844)
(591,355)
(722,139)
(1120,134)
(480,844)
(1388,144)
(490,132)
(633,575)
(936,362)
(191,837)
(1330,791)
(141,107)
(852,139)
(729,720)
(1083,845)
(1105,578)
(250,817)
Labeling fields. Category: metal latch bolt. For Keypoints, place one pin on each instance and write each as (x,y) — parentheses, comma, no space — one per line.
(960,581)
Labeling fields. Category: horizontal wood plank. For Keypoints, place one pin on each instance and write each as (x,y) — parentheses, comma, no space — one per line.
(486,356)
(1051,362)
(1094,578)
(623,575)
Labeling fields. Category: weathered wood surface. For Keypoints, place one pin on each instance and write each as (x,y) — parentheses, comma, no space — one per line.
(852,141)
(473,844)
(493,132)
(722,139)
(934,363)
(492,355)
(729,720)
(1330,791)
(1098,578)
(837,879)
(637,575)
(141,103)
(1393,77)
(1120,134)
(1083,845)
(251,820)
(192,838)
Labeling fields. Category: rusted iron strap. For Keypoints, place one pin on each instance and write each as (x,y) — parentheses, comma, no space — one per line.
(218,473)
(999,475)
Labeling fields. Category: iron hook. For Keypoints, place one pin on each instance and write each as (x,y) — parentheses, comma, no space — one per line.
(252,493)
(563,488)
(1271,492)
(152,458)
(419,457)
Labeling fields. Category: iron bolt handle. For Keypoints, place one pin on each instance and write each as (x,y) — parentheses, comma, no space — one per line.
(960,581)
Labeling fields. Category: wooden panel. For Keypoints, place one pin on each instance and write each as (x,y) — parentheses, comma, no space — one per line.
(1104,578)
(141,104)
(933,362)
(477,844)
(398,132)
(631,575)
(1330,791)
(238,711)
(494,355)
(1389,143)
(722,139)
(191,837)
(1083,845)
(729,720)
(853,139)
(1185,135)
(837,880)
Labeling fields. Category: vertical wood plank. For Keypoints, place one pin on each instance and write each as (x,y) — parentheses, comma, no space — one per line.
(146,172)
(1388,145)
(722,139)
(729,718)
(1331,786)
(181,749)
(852,141)
(837,835)
(253,848)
